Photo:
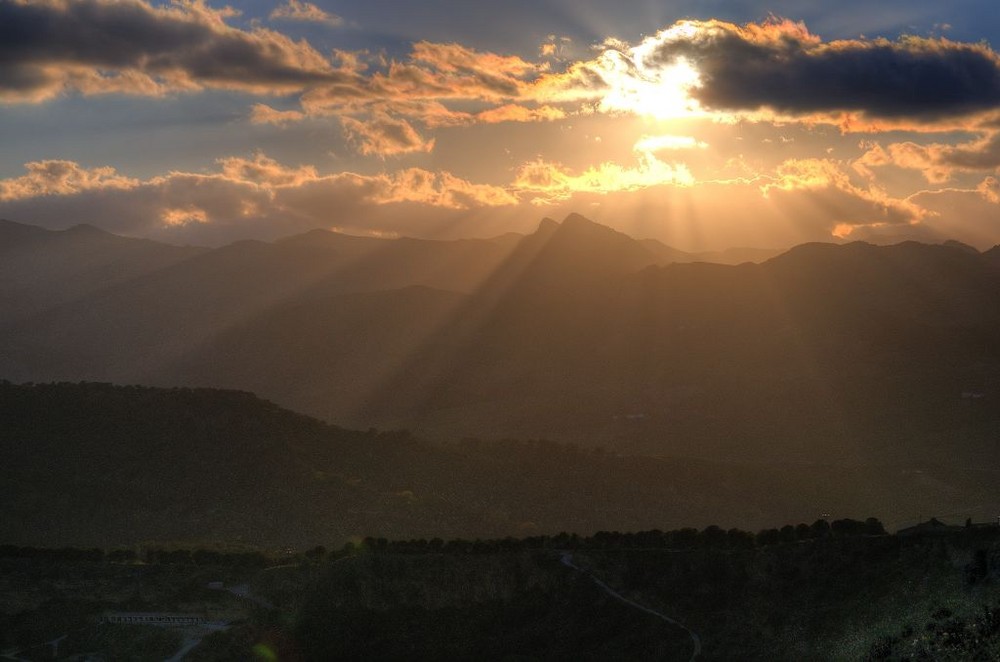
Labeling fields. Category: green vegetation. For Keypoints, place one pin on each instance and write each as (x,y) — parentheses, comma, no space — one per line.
(828,591)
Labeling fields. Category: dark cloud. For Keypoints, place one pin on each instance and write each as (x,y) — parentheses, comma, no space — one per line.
(131,46)
(780,65)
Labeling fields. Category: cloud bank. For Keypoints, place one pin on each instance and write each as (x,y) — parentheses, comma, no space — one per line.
(48,47)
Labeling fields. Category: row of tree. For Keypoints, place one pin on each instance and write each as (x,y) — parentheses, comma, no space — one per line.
(711,537)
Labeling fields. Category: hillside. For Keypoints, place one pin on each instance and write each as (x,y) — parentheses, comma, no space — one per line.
(100,465)
(840,590)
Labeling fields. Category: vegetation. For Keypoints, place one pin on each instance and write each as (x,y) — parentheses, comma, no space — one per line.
(99,465)
(830,590)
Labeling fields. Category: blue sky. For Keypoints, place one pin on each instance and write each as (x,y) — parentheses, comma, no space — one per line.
(702,124)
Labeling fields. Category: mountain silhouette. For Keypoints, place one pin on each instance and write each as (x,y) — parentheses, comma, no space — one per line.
(576,332)
(42,268)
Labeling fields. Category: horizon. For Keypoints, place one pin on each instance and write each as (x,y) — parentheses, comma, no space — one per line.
(942,241)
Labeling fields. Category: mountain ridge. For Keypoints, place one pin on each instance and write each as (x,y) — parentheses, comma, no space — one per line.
(575,332)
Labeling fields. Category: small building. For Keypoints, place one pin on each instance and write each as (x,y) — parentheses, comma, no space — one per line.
(932,527)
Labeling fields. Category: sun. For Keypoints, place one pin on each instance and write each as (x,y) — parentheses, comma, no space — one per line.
(661,92)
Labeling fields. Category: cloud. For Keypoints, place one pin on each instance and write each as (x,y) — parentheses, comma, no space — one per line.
(255,197)
(297,10)
(442,190)
(382,135)
(48,47)
(263,114)
(56,177)
(433,71)
(515,113)
(266,172)
(775,69)
(545,182)
(259,197)
(780,65)
(971,215)
(667,142)
(173,217)
(820,188)
(938,162)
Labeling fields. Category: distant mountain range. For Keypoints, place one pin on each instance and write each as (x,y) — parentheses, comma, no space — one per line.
(852,354)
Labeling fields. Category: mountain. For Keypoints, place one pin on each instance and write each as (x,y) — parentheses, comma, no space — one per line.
(737,255)
(129,331)
(855,354)
(98,465)
(41,268)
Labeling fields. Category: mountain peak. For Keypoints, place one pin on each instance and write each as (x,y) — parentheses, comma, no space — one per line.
(577,223)
(953,243)
(547,226)
(86,229)
(577,219)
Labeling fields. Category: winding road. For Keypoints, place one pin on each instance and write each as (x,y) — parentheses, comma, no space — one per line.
(567,560)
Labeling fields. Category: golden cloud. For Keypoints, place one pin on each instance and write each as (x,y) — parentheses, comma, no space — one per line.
(383,135)
(298,10)
(256,195)
(58,177)
(264,114)
(830,187)
(545,182)
(938,162)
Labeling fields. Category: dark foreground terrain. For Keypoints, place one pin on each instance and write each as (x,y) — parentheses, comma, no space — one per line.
(842,590)
(96,465)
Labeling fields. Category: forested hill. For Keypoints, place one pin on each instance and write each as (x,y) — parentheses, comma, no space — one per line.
(102,465)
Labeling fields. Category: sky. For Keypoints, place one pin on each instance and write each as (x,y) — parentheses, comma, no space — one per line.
(703,124)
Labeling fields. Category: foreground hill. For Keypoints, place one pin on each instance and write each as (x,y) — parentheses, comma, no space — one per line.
(100,465)
(841,590)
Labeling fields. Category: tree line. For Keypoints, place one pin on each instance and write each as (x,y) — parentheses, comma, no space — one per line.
(711,537)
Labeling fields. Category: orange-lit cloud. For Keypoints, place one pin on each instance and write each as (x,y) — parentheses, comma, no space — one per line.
(662,143)
(440,189)
(515,113)
(263,114)
(266,172)
(938,162)
(545,182)
(257,195)
(298,10)
(829,189)
(173,217)
(383,135)
(57,177)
